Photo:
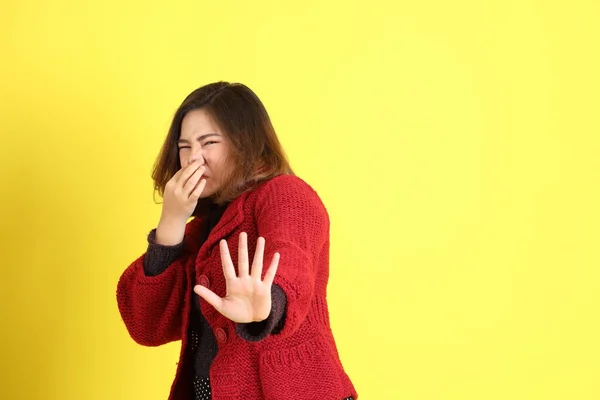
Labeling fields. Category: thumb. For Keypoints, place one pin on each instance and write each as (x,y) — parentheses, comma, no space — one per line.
(210,297)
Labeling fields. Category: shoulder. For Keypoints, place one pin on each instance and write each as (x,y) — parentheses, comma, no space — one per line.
(288,194)
(286,185)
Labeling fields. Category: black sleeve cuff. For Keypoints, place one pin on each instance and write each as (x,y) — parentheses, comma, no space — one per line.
(158,257)
(256,331)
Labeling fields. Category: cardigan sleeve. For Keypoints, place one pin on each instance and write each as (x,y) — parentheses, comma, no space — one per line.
(295,224)
(151,301)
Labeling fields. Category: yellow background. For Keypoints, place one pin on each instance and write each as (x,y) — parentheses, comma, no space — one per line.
(455,143)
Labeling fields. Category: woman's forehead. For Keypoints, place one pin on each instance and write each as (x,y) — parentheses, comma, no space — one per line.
(198,123)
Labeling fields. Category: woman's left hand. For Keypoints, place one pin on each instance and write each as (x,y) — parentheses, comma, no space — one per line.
(248,297)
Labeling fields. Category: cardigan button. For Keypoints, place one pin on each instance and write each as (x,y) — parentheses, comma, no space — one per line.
(221,335)
(204,281)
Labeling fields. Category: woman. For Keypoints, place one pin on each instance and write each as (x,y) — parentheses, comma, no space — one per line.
(247,332)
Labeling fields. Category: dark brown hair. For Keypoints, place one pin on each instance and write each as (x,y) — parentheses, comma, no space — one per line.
(255,152)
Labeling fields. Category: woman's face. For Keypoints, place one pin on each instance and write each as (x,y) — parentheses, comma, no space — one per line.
(201,139)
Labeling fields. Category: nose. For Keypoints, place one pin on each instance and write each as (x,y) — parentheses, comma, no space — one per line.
(197,155)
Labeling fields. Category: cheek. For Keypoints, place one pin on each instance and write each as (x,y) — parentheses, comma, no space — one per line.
(224,167)
(217,161)
(183,157)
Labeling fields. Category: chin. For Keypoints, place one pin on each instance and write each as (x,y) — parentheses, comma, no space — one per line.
(207,193)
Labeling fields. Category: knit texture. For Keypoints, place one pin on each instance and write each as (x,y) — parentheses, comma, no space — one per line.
(202,343)
(301,361)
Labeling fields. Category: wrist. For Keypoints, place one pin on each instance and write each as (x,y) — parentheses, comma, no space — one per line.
(170,230)
(171,220)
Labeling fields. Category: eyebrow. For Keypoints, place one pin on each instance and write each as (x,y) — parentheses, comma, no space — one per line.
(201,138)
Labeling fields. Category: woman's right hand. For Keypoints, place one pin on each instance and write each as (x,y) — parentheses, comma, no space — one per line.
(182,192)
(180,198)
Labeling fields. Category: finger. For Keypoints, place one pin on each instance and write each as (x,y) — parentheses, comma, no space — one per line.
(257,263)
(228,268)
(210,297)
(195,195)
(270,275)
(243,255)
(188,171)
(173,181)
(175,177)
(190,184)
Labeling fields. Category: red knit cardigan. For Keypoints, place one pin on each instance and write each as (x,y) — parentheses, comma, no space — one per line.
(299,362)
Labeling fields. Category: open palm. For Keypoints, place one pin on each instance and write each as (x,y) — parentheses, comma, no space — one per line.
(248,297)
